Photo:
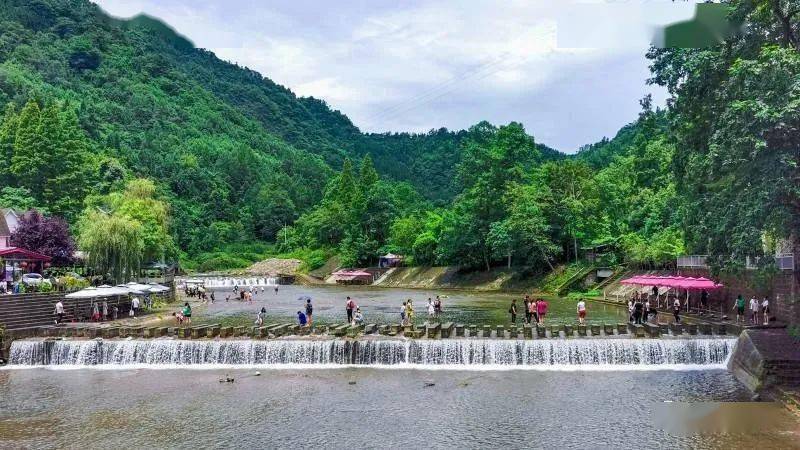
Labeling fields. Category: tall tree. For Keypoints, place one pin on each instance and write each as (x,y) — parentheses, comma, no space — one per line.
(113,244)
(47,235)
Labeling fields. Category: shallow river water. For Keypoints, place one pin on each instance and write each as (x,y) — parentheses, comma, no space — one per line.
(363,408)
(382,305)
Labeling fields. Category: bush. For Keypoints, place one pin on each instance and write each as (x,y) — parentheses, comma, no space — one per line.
(222,262)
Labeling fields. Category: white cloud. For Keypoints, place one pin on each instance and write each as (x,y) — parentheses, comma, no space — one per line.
(571,72)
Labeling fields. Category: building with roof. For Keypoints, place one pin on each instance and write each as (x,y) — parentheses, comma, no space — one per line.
(9,221)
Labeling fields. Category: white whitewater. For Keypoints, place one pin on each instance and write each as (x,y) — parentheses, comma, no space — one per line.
(455,353)
(228,282)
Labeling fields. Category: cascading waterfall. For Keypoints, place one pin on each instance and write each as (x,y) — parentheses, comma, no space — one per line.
(220,282)
(455,353)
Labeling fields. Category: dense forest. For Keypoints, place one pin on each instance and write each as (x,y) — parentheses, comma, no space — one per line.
(124,128)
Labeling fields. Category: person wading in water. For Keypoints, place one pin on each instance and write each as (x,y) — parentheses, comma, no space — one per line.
(349,307)
(513,311)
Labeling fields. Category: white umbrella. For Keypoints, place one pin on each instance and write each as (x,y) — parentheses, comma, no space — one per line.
(129,290)
(102,291)
(155,287)
(138,286)
(88,292)
(106,290)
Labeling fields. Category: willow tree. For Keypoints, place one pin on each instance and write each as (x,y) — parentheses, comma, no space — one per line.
(113,243)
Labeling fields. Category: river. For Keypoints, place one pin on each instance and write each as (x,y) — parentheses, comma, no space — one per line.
(382,305)
(369,408)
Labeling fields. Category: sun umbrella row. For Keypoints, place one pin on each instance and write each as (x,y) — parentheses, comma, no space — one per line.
(131,288)
(688,283)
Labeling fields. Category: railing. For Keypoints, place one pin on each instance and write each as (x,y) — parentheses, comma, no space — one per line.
(782,261)
(785,261)
(690,261)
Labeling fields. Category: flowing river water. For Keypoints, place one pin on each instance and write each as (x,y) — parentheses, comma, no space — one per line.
(382,393)
(382,305)
(377,392)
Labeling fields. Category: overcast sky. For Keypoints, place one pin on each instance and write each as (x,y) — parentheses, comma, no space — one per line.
(571,72)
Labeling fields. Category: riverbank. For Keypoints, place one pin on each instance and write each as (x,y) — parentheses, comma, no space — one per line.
(453,278)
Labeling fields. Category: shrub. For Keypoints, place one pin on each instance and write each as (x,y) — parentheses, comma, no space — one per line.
(222,262)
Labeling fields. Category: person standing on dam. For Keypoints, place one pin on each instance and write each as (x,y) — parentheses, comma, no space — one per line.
(513,311)
(349,307)
(581,308)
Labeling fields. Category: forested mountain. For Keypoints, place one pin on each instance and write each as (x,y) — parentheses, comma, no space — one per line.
(125,129)
(236,155)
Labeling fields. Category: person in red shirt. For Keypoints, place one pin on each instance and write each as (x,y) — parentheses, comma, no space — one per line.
(349,306)
(541,309)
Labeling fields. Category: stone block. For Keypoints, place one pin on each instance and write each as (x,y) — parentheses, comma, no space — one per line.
(226,332)
(705,328)
(487,331)
(407,329)
(721,328)
(432,330)
(353,331)
(569,331)
(691,328)
(198,332)
(527,332)
(595,330)
(500,331)
(676,329)
(622,328)
(473,331)
(664,328)
(370,328)
(212,331)
(638,331)
(460,330)
(733,329)
(541,331)
(513,333)
(608,329)
(239,331)
(447,330)
(383,330)
(652,330)
(110,332)
(183,333)
(149,332)
(395,328)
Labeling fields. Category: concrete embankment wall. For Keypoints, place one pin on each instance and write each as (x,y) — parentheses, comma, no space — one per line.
(765,359)
(451,277)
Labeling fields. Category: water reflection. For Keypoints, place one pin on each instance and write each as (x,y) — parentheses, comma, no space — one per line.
(382,305)
(383,408)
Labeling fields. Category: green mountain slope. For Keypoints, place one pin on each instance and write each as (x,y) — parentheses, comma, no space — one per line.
(234,153)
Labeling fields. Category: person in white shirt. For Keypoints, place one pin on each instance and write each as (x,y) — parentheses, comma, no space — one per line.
(754,309)
(581,311)
(59,312)
(765,310)
(676,310)
(135,306)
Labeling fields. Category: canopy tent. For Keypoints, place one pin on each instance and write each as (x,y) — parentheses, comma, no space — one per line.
(101,291)
(130,289)
(351,273)
(352,277)
(390,260)
(688,283)
(143,288)
(155,287)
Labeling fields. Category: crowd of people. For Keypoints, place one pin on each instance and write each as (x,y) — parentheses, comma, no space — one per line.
(757,310)
(535,310)
(642,308)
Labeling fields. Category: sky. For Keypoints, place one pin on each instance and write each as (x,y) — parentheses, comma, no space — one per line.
(571,71)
